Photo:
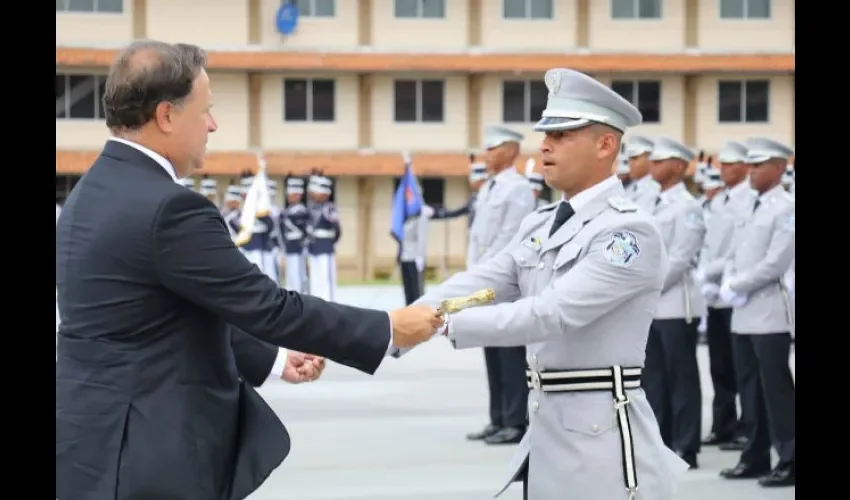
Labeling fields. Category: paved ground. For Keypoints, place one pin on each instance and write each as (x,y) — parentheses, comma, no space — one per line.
(400,434)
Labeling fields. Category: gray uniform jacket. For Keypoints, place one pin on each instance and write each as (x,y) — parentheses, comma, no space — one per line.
(763,253)
(680,219)
(582,299)
(643,192)
(717,246)
(500,208)
(415,241)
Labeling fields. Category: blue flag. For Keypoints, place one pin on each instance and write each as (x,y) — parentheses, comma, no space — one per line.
(407,202)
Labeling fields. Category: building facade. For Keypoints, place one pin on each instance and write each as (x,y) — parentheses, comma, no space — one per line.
(358,82)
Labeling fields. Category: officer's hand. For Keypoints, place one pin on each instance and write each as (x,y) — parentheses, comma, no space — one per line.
(413,325)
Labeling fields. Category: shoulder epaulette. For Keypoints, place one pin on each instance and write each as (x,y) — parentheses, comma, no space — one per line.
(621,204)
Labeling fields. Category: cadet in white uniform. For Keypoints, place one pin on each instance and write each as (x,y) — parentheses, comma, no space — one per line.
(762,319)
(293,223)
(578,284)
(502,204)
(671,374)
(643,189)
(209,189)
(323,232)
(725,208)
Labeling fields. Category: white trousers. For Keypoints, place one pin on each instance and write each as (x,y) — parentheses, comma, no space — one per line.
(260,259)
(295,272)
(323,276)
(271,266)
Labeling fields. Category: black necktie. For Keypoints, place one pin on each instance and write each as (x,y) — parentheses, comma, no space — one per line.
(756,204)
(565,211)
(726,200)
(657,200)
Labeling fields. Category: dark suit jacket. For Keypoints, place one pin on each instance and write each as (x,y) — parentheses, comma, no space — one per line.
(149,404)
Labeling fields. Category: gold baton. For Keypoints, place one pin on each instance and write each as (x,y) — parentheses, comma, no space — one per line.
(479,298)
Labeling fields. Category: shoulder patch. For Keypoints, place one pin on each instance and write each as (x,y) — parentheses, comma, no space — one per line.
(622,249)
(546,208)
(621,204)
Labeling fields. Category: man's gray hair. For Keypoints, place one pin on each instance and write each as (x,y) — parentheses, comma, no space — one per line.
(146,73)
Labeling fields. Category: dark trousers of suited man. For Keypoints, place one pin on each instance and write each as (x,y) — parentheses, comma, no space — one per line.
(411,281)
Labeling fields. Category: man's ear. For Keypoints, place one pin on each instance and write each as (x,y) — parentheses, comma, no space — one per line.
(163,116)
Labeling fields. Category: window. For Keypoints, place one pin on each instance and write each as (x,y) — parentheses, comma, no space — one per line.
(419,100)
(78,97)
(645,95)
(316,8)
(744,9)
(523,101)
(433,190)
(636,9)
(309,100)
(108,6)
(527,9)
(743,101)
(64,185)
(429,9)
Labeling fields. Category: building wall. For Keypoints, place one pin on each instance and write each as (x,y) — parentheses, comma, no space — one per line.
(228,23)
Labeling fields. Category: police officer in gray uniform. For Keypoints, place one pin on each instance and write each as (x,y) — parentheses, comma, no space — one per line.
(671,375)
(502,204)
(578,284)
(643,189)
(412,253)
(726,207)
(762,319)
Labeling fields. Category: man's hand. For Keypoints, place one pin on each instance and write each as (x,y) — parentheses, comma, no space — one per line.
(302,367)
(420,264)
(413,325)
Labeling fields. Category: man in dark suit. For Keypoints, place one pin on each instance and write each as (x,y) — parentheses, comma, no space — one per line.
(150,403)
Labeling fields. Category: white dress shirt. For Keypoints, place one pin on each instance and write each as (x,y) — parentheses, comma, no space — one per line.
(280,360)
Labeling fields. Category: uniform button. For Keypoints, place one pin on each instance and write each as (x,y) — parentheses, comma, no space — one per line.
(522,260)
(534,358)
(594,428)
(541,266)
(535,406)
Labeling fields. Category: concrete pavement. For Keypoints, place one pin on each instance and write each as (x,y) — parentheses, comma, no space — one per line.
(400,434)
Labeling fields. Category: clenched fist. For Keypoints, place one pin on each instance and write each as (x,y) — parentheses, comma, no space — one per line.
(413,325)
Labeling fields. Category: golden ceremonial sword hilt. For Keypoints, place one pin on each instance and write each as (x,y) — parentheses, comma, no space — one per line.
(479,298)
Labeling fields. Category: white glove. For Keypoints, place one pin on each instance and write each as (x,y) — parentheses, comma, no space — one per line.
(698,275)
(406,157)
(710,291)
(702,327)
(731,297)
(420,264)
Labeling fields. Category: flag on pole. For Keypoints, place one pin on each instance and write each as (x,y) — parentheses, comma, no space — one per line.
(407,201)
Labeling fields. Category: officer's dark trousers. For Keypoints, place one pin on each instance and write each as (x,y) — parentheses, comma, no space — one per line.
(724,421)
(508,386)
(671,382)
(767,396)
(410,277)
